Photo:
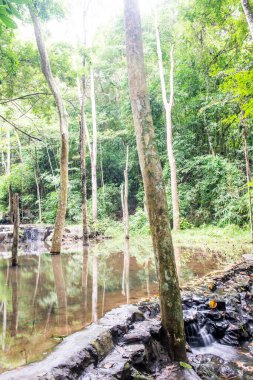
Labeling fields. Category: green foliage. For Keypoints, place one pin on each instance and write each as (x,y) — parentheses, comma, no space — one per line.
(8,10)
(213,96)
(138,223)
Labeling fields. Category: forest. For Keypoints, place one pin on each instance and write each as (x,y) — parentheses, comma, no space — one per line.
(211,112)
(126,144)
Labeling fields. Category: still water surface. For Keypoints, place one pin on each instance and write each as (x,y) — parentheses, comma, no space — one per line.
(48,297)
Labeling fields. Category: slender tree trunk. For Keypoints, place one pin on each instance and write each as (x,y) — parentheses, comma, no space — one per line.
(249,15)
(209,138)
(170,299)
(15,230)
(126,221)
(168,111)
(63,117)
(102,175)
(83,145)
(19,146)
(11,211)
(94,150)
(8,172)
(248,174)
(37,186)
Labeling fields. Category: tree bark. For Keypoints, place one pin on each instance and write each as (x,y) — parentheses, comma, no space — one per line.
(126,222)
(248,174)
(36,177)
(249,15)
(83,139)
(8,172)
(168,111)
(94,150)
(170,299)
(63,117)
(15,230)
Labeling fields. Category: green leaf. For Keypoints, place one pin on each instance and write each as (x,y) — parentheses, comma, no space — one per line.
(185,365)
(3,10)
(8,21)
(13,11)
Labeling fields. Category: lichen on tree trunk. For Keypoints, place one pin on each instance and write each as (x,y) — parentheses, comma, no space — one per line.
(171,308)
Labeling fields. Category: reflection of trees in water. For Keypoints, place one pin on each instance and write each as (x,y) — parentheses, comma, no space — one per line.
(3,309)
(61,292)
(14,285)
(94,288)
(85,283)
(125,274)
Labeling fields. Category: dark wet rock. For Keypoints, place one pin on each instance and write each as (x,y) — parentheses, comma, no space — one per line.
(175,372)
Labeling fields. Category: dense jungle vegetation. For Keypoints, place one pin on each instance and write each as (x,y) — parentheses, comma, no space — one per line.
(213,108)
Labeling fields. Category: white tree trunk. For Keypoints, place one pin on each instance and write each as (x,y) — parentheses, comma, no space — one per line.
(248,175)
(168,110)
(94,149)
(63,117)
(249,15)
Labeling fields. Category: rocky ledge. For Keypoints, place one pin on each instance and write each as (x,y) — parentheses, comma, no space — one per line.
(126,342)
(30,233)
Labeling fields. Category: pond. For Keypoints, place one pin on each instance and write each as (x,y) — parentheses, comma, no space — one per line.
(48,297)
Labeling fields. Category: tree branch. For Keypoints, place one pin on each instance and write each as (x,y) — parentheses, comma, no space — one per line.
(4,101)
(20,130)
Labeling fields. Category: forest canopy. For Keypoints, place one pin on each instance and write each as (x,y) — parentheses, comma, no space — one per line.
(211,115)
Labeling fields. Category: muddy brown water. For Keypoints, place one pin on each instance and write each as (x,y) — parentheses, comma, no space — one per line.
(48,297)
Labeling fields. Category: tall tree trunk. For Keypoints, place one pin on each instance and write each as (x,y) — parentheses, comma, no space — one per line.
(168,110)
(15,230)
(170,299)
(83,144)
(63,117)
(94,149)
(126,222)
(36,176)
(19,146)
(102,174)
(249,15)
(209,138)
(248,174)
(8,172)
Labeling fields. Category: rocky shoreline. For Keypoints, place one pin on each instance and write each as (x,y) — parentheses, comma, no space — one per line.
(126,342)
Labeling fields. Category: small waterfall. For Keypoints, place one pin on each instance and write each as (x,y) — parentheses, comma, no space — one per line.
(206,337)
(197,334)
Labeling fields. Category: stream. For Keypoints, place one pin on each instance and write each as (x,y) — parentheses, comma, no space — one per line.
(49,297)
